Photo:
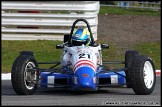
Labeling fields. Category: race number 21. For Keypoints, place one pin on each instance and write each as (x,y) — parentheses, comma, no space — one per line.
(83,55)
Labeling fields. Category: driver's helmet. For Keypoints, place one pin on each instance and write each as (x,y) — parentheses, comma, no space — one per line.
(81,36)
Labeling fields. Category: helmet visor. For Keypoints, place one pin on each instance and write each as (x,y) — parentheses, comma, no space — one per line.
(79,42)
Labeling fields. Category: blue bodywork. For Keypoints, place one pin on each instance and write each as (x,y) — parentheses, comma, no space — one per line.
(84,78)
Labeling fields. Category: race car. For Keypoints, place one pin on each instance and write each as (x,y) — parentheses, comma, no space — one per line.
(81,68)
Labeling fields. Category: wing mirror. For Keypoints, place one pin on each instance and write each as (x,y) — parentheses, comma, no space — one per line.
(104,46)
(60,46)
(66,37)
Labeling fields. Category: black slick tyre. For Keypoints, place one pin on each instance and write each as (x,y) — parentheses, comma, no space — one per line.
(129,56)
(143,75)
(23,81)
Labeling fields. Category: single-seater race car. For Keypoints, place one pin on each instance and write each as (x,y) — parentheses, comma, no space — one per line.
(82,69)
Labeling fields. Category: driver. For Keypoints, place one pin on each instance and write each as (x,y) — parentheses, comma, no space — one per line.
(81,36)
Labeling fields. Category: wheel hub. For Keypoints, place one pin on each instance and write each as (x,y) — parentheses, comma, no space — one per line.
(148,74)
(29,75)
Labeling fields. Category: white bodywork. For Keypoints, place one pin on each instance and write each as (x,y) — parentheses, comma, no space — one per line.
(81,55)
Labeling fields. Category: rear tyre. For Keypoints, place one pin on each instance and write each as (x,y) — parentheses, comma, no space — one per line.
(24,82)
(129,56)
(143,75)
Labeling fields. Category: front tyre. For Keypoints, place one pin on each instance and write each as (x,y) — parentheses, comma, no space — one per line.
(143,75)
(129,56)
(24,80)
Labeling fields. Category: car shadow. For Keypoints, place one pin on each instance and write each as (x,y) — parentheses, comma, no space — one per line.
(108,91)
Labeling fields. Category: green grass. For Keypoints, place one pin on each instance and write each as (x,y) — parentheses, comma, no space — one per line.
(130,11)
(45,51)
(112,54)
(152,49)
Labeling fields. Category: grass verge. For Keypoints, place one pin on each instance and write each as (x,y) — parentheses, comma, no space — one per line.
(130,11)
(45,50)
(151,49)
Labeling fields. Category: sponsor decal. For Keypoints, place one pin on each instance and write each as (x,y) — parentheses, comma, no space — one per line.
(85,75)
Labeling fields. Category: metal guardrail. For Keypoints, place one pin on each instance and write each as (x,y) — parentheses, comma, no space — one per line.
(32,20)
(136,4)
(51,5)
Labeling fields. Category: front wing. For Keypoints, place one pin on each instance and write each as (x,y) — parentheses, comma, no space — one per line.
(63,80)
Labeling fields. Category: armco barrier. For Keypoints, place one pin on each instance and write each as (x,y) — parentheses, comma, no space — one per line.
(50,20)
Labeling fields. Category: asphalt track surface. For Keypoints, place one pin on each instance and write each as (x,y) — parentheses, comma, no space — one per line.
(103,97)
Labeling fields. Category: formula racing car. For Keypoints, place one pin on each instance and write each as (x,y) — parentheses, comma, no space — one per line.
(81,68)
